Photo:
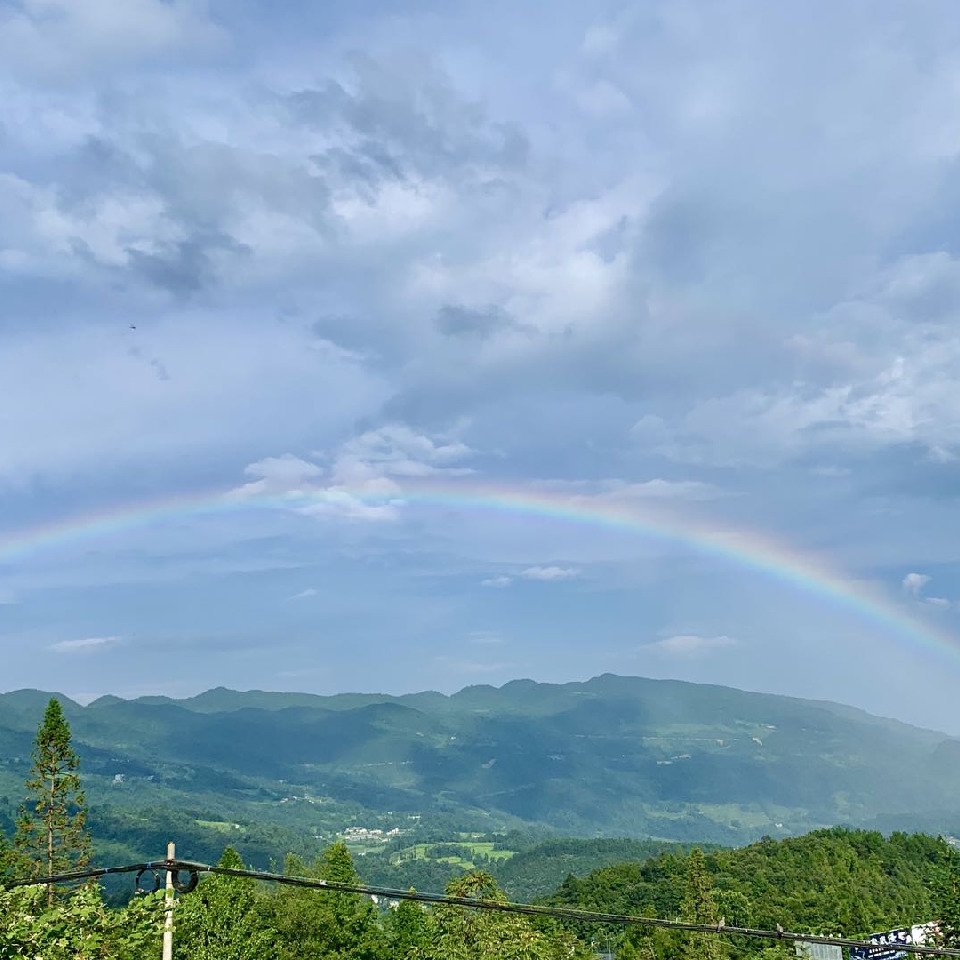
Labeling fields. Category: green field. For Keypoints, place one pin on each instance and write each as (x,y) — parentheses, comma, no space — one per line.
(467,857)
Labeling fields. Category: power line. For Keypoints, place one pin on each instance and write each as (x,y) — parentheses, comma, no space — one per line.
(193,869)
(90,874)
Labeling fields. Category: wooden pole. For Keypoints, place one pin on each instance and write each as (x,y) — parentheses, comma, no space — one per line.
(168,920)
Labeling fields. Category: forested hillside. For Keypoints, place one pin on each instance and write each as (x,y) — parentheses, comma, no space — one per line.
(612,756)
(833,882)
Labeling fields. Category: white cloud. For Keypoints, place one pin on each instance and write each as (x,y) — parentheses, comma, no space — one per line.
(397,451)
(484,638)
(86,645)
(279,475)
(913,583)
(498,582)
(550,573)
(363,482)
(59,39)
(691,645)
(106,403)
(913,586)
(626,493)
(303,594)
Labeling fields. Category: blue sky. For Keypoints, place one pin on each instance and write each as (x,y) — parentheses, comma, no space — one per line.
(684,259)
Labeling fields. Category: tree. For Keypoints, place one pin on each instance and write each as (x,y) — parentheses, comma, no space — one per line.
(8,861)
(700,906)
(325,924)
(79,927)
(51,829)
(458,933)
(225,918)
(407,930)
(946,895)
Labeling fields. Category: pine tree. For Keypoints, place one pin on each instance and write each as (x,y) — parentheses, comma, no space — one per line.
(51,829)
(407,930)
(946,894)
(456,933)
(7,860)
(699,906)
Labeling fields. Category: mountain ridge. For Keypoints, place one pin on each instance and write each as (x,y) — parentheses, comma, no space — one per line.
(611,755)
(255,697)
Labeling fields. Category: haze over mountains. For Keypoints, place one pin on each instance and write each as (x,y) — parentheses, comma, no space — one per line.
(614,756)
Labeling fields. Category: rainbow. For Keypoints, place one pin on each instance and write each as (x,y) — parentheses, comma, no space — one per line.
(744,549)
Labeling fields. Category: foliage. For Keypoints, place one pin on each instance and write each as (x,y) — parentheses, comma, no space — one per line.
(700,906)
(457,933)
(838,881)
(318,924)
(805,884)
(223,919)
(51,829)
(81,927)
(407,929)
(946,896)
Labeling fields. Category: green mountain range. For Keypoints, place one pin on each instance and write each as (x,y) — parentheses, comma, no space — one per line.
(614,756)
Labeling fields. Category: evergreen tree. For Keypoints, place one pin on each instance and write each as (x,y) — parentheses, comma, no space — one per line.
(51,829)
(225,918)
(946,895)
(407,930)
(458,933)
(700,906)
(325,924)
(7,860)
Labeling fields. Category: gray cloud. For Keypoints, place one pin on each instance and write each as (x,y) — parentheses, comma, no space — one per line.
(638,261)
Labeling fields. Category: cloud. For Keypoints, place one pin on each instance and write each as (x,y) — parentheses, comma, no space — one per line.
(549,573)
(484,638)
(913,583)
(364,479)
(691,646)
(68,39)
(279,475)
(87,645)
(498,582)
(615,492)
(103,399)
(396,450)
(303,594)
(913,586)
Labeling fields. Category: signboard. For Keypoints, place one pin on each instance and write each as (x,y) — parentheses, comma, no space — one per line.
(817,951)
(888,942)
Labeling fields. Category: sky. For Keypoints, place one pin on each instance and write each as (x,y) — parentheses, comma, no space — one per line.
(306,301)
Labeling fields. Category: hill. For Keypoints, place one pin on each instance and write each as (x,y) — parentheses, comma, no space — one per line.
(833,882)
(615,756)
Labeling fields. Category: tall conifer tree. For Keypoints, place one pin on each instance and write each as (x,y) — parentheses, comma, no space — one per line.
(51,830)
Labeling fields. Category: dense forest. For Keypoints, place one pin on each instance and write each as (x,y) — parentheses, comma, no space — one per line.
(832,882)
(838,881)
(835,882)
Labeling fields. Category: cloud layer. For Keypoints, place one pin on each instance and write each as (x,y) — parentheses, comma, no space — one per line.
(642,261)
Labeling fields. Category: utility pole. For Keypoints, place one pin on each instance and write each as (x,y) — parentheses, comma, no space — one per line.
(168,919)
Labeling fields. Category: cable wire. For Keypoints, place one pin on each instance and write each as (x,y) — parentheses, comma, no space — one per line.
(560,913)
(499,906)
